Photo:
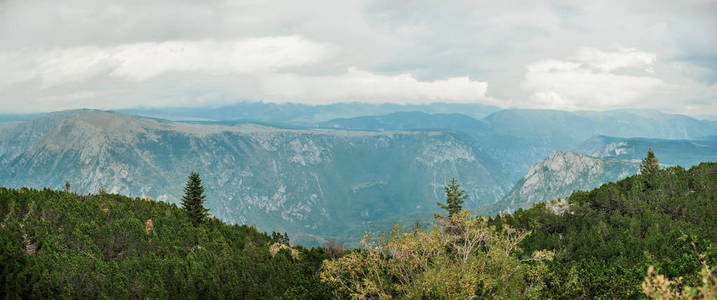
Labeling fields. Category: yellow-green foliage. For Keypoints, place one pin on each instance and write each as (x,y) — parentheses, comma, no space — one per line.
(276,247)
(657,286)
(460,257)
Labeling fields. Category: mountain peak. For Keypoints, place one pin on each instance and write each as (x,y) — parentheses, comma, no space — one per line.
(561,173)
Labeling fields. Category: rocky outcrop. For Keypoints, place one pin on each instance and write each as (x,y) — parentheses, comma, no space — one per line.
(559,175)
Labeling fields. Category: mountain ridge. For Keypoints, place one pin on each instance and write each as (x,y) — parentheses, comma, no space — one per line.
(307,182)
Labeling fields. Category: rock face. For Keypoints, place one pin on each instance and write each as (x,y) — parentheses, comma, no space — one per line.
(559,175)
(311,183)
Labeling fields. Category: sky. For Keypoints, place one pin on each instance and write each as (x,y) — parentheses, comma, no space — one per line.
(567,55)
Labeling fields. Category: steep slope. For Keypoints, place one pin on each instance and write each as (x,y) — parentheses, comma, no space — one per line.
(18,136)
(310,183)
(685,153)
(558,176)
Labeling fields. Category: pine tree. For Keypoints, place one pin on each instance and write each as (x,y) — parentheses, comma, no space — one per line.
(277,237)
(193,200)
(649,164)
(454,198)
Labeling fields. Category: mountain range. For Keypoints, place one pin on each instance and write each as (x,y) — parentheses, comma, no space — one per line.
(319,178)
(520,138)
(311,183)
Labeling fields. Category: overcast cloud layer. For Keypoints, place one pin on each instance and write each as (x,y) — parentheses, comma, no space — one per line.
(547,54)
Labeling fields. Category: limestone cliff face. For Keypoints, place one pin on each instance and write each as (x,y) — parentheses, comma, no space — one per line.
(308,182)
(560,174)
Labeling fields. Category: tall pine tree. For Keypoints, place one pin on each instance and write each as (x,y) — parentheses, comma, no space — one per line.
(193,200)
(650,164)
(454,198)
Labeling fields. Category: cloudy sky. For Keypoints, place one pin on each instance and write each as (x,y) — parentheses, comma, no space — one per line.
(534,54)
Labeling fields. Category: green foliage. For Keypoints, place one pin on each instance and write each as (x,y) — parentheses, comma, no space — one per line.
(650,164)
(607,238)
(56,244)
(477,261)
(657,286)
(279,238)
(611,242)
(193,200)
(454,198)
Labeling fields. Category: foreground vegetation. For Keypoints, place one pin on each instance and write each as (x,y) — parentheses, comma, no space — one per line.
(647,235)
(59,244)
(606,239)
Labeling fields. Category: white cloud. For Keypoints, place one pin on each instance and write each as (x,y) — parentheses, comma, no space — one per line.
(169,53)
(364,86)
(143,61)
(593,80)
(607,61)
(147,60)
(209,72)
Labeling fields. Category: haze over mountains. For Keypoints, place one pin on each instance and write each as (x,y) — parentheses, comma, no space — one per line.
(288,167)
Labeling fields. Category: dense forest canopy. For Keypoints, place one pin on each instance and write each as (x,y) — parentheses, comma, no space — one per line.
(600,243)
(605,239)
(59,244)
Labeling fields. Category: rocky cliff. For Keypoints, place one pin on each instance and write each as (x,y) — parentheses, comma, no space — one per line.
(561,173)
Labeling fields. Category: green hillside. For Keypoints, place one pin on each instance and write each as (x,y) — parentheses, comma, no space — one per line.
(608,243)
(58,244)
(605,239)
(596,244)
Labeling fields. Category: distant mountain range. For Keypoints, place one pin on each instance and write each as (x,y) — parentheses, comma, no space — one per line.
(310,183)
(518,138)
(303,114)
(317,178)
(685,153)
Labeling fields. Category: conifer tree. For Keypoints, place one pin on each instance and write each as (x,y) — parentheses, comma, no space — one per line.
(277,237)
(454,198)
(650,164)
(193,200)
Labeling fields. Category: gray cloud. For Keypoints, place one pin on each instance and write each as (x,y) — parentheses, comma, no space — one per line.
(546,54)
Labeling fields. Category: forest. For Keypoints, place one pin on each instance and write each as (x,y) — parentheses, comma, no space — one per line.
(649,235)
